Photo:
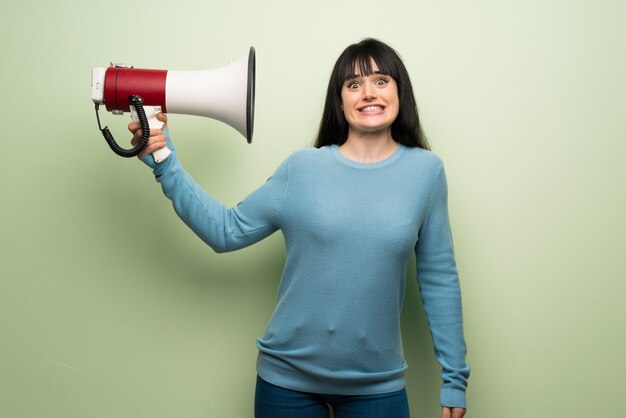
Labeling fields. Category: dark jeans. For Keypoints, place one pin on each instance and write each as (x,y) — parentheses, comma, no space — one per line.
(275,402)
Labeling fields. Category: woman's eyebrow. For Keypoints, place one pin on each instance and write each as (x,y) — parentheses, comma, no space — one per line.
(352,76)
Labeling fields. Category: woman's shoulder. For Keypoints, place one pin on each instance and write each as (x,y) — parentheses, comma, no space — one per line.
(303,160)
(423,156)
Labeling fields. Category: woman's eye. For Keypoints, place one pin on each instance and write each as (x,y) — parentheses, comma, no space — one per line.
(353,85)
(382,81)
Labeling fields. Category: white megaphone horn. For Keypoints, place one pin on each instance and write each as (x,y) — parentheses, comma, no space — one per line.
(225,93)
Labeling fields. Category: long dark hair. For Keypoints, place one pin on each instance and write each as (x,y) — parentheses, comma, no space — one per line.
(406,129)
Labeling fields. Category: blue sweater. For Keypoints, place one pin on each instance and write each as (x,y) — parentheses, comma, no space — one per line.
(349,230)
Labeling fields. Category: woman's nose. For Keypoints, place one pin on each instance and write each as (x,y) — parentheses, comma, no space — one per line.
(369,92)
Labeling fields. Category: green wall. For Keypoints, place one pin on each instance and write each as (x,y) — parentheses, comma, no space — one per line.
(110,307)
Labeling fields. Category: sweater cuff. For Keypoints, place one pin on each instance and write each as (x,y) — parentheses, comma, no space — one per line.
(452,398)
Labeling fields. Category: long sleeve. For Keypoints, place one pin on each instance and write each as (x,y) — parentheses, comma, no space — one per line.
(223,229)
(439,287)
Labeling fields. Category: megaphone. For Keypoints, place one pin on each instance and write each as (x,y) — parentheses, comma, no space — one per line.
(225,93)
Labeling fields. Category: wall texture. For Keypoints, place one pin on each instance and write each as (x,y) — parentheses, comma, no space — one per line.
(110,307)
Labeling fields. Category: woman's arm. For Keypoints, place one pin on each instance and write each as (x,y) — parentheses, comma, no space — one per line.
(439,287)
(223,229)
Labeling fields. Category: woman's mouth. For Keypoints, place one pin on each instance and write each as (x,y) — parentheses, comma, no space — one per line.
(372,109)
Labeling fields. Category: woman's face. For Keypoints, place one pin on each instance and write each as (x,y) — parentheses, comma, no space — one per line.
(370,103)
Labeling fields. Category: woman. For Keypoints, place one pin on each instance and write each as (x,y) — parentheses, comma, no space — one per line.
(351,209)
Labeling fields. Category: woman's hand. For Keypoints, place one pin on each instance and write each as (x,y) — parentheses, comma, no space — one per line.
(156,141)
(452,412)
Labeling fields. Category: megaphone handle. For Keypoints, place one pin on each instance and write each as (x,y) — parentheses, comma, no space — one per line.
(151,112)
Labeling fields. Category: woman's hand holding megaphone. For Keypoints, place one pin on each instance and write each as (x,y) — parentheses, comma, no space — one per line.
(157,139)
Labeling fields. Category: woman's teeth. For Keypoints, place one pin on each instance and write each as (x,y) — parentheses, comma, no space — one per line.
(372,109)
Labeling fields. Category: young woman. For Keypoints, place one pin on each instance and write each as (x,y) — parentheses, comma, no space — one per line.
(352,209)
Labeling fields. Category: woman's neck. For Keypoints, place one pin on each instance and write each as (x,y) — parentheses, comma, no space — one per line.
(368,148)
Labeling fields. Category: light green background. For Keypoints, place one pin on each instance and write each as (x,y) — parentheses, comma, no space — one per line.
(110,307)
